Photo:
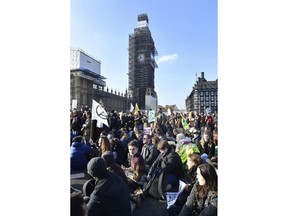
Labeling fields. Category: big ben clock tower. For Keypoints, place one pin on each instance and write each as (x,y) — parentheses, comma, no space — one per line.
(142,66)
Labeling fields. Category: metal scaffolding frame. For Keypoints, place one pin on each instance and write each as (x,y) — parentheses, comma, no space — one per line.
(141,74)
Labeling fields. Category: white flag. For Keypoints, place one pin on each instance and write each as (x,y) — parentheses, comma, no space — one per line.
(131,107)
(169,112)
(99,114)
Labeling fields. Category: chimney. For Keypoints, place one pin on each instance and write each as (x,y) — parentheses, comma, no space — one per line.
(202,75)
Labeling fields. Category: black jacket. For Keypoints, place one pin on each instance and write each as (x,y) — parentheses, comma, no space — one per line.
(110,197)
(170,163)
(149,153)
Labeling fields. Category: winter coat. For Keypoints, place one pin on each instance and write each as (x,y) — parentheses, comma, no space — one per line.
(204,207)
(149,153)
(78,155)
(170,163)
(110,197)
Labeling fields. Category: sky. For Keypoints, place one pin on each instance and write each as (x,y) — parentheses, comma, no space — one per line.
(185,36)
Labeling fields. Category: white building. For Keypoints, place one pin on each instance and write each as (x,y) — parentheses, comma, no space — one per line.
(82,61)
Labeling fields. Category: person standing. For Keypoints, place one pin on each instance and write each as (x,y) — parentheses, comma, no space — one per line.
(86,128)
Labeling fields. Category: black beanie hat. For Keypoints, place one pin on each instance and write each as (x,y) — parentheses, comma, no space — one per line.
(96,167)
(77,139)
(108,157)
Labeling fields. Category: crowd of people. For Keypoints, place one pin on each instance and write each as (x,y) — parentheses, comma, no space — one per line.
(133,158)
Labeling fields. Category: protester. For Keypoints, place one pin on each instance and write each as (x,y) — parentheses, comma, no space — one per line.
(104,143)
(166,170)
(76,123)
(113,167)
(193,161)
(86,127)
(79,154)
(162,173)
(136,167)
(138,122)
(203,198)
(149,151)
(111,195)
(206,144)
(78,206)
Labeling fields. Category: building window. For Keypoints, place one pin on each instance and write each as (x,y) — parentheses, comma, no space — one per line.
(206,93)
(201,104)
(207,98)
(212,98)
(201,93)
(201,98)
(212,93)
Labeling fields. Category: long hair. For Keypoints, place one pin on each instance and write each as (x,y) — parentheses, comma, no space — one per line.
(196,158)
(105,145)
(211,181)
(209,142)
(139,169)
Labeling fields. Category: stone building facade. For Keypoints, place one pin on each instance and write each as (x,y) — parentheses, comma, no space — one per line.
(87,83)
(204,95)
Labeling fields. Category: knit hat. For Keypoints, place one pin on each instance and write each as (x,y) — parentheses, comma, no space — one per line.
(77,139)
(96,167)
(108,157)
(205,158)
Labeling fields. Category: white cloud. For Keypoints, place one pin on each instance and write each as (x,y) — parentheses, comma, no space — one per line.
(167,58)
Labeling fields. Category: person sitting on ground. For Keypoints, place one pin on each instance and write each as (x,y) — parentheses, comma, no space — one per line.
(203,199)
(117,149)
(104,143)
(149,151)
(184,148)
(108,156)
(206,144)
(78,206)
(193,161)
(167,169)
(110,195)
(155,140)
(136,168)
(79,153)
(113,167)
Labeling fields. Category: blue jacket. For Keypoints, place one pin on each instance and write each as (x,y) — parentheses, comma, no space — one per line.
(78,152)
